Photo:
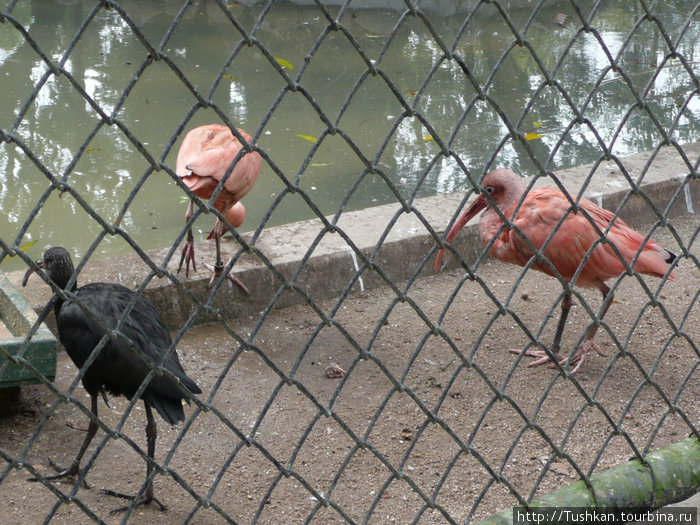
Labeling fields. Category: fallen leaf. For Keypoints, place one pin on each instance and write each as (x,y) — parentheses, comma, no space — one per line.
(25,247)
(333,371)
(533,136)
(560,467)
(307,137)
(284,63)
(428,138)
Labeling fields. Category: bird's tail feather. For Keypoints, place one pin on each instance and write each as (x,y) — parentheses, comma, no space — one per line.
(169,408)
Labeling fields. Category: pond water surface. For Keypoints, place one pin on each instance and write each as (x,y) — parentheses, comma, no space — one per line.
(50,117)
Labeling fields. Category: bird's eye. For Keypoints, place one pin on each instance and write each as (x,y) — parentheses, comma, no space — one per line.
(489,189)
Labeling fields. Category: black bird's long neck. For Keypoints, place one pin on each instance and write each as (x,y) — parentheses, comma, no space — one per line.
(58,301)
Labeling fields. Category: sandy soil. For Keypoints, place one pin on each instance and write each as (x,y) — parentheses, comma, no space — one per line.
(417,418)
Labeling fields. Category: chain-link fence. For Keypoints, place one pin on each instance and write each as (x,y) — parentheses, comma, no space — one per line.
(387,393)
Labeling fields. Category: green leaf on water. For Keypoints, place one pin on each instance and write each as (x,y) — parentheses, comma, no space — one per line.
(284,63)
(25,247)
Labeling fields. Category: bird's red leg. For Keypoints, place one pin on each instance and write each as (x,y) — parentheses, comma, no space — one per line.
(587,345)
(218,268)
(74,468)
(541,355)
(151,434)
(188,249)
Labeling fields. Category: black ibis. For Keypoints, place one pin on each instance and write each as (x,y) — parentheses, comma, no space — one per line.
(118,368)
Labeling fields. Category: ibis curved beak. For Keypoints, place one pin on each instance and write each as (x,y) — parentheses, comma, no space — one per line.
(30,271)
(478,205)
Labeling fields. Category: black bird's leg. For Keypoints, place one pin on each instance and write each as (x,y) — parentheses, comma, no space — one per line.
(151,434)
(81,429)
(74,468)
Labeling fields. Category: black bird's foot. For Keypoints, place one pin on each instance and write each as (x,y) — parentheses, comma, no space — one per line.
(145,500)
(217,271)
(72,471)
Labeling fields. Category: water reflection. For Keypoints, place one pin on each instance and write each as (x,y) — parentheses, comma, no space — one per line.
(390,125)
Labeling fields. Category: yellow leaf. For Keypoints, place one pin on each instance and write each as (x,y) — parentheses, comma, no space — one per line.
(230,77)
(26,246)
(533,136)
(537,124)
(284,63)
(411,92)
(428,138)
(91,150)
(320,164)
(307,137)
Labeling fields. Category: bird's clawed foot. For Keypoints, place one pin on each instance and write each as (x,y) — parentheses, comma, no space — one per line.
(217,271)
(582,352)
(144,500)
(72,471)
(542,357)
(188,256)
(577,359)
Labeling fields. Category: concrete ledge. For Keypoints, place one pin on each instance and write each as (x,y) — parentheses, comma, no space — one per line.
(320,263)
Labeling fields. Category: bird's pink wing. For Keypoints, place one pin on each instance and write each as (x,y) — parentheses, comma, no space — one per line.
(543,211)
(208,151)
(244,175)
(576,235)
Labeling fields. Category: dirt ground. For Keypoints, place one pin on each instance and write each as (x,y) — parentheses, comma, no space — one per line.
(408,423)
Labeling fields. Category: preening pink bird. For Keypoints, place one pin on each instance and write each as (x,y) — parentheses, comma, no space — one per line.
(542,211)
(204,159)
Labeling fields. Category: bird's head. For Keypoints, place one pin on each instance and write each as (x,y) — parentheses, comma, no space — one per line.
(58,265)
(501,188)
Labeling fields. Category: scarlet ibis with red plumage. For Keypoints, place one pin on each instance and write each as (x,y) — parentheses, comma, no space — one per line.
(574,241)
(208,155)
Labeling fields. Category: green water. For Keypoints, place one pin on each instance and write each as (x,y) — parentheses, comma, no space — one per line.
(57,120)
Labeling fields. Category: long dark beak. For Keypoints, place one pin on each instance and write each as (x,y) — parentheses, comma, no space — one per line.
(478,205)
(30,271)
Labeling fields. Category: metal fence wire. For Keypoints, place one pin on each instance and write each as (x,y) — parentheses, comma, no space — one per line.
(429,418)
